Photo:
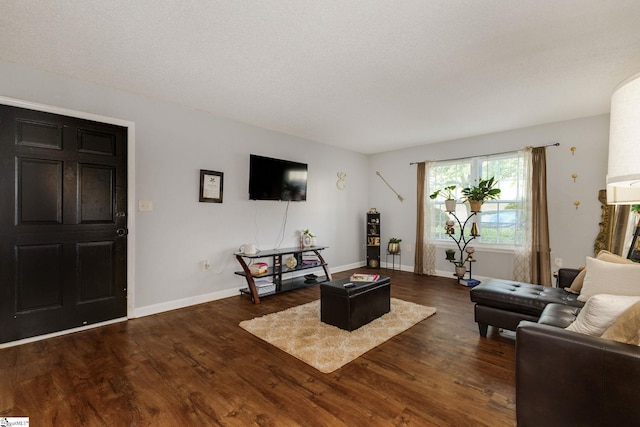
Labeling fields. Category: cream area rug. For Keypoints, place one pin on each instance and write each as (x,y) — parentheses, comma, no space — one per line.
(299,332)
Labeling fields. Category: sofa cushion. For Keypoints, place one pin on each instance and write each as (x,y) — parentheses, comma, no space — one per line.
(610,278)
(599,312)
(626,328)
(558,315)
(576,285)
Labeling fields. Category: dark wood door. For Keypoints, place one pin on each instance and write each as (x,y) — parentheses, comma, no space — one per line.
(63,216)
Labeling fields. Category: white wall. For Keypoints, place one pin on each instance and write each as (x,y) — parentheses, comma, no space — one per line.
(172,144)
(572,231)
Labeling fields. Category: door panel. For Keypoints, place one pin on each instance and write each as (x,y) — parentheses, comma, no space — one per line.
(96,142)
(39,191)
(62,214)
(96,275)
(96,194)
(38,134)
(39,277)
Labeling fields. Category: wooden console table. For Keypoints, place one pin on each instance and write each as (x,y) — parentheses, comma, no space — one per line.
(278,268)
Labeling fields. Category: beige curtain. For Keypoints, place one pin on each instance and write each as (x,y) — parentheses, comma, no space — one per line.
(541,252)
(418,261)
(425,257)
(522,253)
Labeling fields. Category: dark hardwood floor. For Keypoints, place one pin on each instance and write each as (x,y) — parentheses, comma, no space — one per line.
(197,367)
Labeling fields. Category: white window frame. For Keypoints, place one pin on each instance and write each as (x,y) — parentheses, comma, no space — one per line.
(515,191)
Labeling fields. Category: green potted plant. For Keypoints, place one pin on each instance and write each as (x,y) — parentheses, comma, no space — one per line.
(451,254)
(447,194)
(484,190)
(394,245)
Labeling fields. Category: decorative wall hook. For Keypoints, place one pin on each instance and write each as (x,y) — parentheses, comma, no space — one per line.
(573,150)
(342,177)
(574,176)
(576,204)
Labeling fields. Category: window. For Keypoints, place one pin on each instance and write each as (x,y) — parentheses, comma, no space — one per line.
(500,222)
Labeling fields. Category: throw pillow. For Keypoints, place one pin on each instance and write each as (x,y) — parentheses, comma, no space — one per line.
(626,328)
(576,285)
(600,312)
(610,278)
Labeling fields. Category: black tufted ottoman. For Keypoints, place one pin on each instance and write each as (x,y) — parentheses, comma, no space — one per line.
(504,303)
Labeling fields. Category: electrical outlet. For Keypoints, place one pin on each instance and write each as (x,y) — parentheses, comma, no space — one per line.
(145,205)
(558,262)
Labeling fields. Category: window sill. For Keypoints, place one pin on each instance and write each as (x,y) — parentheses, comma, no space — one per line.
(480,247)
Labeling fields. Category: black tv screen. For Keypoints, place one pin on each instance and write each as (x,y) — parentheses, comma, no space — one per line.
(276,179)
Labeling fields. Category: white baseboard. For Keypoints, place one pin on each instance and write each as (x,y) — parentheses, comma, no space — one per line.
(213,296)
(348,267)
(390,266)
(185,302)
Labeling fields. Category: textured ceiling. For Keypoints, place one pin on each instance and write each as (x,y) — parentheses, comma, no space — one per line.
(366,75)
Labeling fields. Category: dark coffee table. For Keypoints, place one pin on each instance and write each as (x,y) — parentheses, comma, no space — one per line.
(351,308)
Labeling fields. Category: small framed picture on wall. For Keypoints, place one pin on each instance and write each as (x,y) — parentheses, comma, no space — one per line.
(211,186)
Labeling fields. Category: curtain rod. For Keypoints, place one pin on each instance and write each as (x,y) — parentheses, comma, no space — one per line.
(555,144)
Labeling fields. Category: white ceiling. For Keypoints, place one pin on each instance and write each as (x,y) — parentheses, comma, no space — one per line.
(365,75)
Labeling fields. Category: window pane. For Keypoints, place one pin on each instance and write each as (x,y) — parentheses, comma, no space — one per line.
(498,222)
(442,175)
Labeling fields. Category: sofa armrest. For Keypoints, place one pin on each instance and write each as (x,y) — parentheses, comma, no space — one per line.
(565,378)
(566,276)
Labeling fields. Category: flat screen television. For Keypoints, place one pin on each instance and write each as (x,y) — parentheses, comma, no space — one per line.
(277,179)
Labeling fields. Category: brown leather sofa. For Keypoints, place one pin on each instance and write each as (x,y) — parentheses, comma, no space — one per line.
(562,378)
(565,378)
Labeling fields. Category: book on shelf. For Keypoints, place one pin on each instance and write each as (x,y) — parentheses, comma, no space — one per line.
(262,283)
(310,259)
(264,286)
(361,277)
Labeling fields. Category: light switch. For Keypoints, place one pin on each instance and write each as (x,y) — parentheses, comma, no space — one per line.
(145,205)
